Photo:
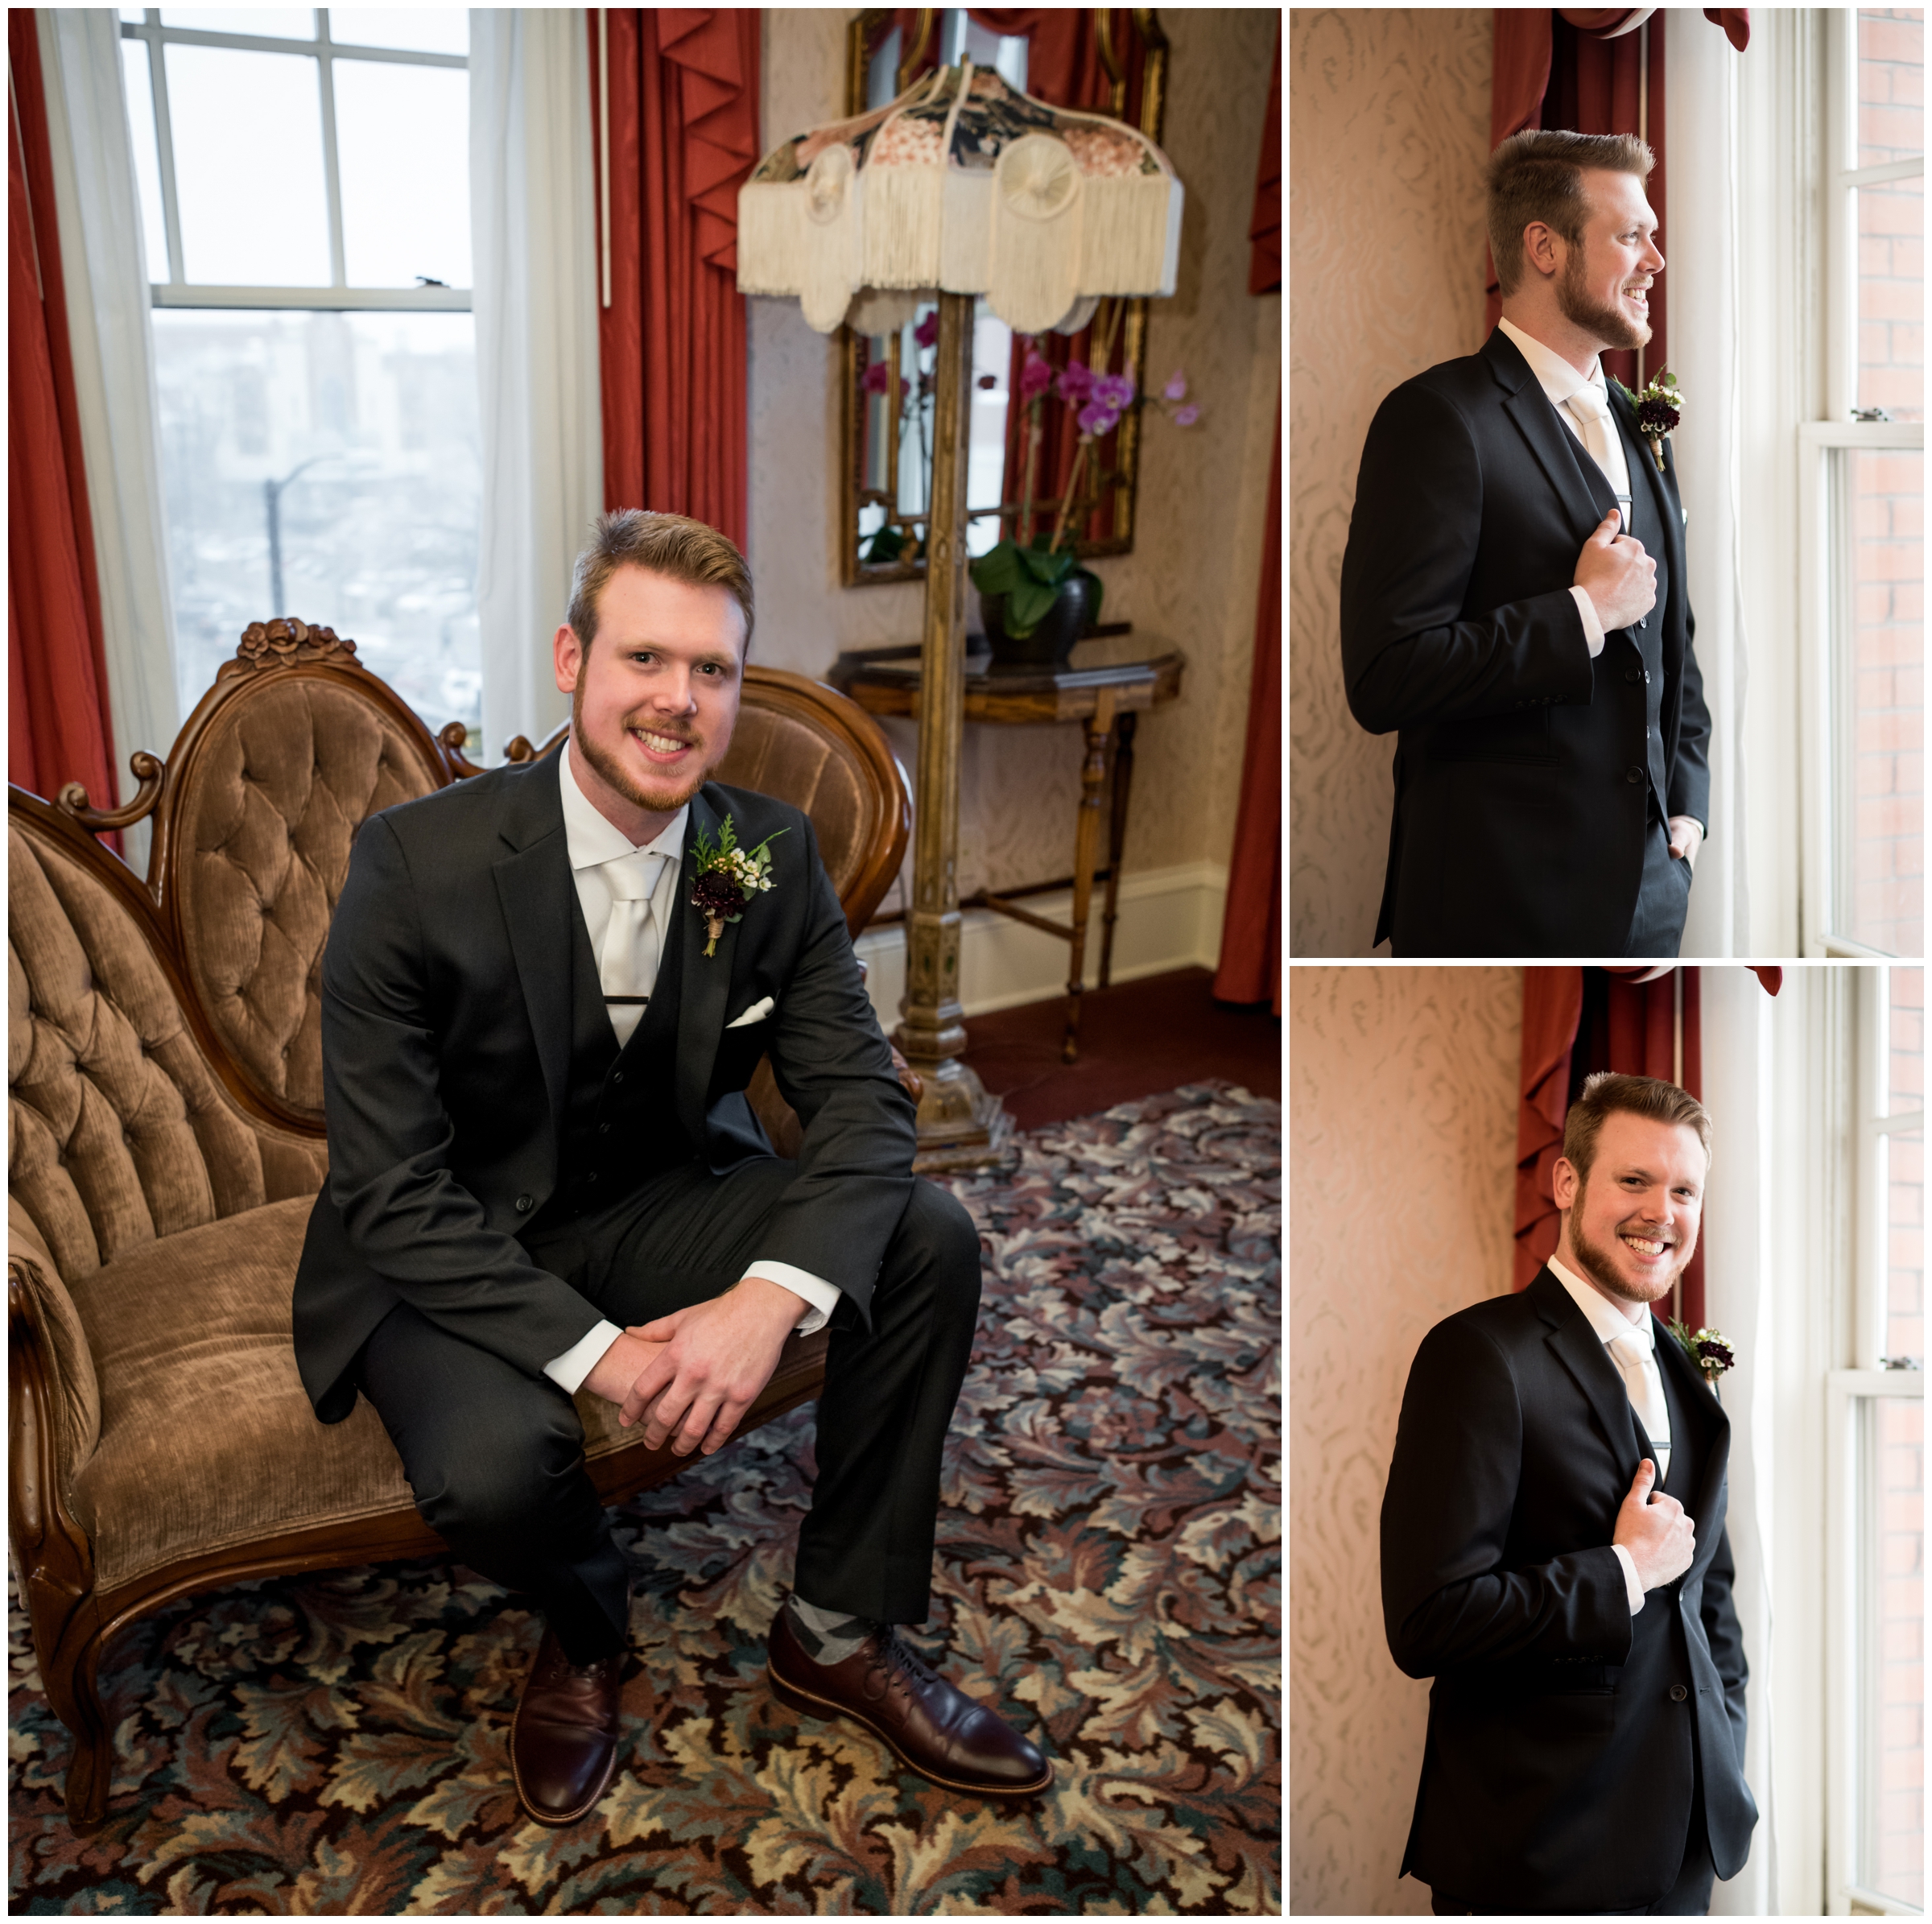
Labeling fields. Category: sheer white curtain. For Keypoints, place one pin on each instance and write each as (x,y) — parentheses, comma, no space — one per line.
(1701,251)
(111,325)
(533,218)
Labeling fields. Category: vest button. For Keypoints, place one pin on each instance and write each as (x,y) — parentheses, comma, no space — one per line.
(603,1128)
(590,1178)
(525,1204)
(1633,675)
(1678,1693)
(616,1075)
(1634,774)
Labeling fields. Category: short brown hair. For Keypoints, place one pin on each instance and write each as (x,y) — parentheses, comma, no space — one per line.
(1606,1095)
(1538,176)
(671,545)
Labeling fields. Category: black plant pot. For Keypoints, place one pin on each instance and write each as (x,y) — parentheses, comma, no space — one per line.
(1052,641)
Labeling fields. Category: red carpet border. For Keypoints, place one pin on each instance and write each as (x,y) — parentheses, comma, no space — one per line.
(1108,1577)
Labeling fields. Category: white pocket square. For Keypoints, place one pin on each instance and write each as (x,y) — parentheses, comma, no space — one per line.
(757,1012)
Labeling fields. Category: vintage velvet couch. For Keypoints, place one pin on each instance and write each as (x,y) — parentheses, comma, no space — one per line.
(165,1136)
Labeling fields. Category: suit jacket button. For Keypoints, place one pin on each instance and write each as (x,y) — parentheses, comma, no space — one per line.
(525,1204)
(616,1075)
(1634,774)
(1633,675)
(1678,1693)
(1642,622)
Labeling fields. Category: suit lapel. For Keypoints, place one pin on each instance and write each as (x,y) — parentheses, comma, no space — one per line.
(707,979)
(1694,1396)
(538,897)
(1637,455)
(1578,482)
(1580,1350)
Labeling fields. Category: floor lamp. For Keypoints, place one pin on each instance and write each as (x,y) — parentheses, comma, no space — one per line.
(962,186)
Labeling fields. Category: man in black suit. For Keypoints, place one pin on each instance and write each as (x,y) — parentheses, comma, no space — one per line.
(544,992)
(1555,1556)
(1551,788)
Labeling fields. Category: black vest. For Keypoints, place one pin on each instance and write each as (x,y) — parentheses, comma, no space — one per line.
(620,1124)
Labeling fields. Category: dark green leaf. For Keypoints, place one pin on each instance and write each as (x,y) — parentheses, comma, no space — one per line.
(998,571)
(1026,608)
(885,546)
(1094,592)
(1046,567)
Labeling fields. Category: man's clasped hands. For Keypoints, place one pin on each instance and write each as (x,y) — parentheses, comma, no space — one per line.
(690,1376)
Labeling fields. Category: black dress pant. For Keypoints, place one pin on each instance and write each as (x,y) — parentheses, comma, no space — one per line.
(495,1457)
(1663,898)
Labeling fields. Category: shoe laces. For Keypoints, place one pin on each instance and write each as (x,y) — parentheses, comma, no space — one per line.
(900,1661)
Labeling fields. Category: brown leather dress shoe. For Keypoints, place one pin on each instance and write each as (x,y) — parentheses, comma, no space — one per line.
(936,1730)
(563,1744)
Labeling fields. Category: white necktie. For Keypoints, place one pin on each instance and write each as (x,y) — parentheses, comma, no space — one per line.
(629,964)
(1592,410)
(1634,1353)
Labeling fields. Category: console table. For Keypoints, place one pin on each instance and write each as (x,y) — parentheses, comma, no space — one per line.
(1099,687)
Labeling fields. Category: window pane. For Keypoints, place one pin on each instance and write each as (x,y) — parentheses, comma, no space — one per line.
(1891,1799)
(248,167)
(417,29)
(136,15)
(1891,298)
(265,22)
(354,438)
(1905,1043)
(396,123)
(986,450)
(1891,83)
(1880,839)
(147,161)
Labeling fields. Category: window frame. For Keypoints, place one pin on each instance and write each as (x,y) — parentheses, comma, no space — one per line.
(1824,587)
(177,290)
(1849,1394)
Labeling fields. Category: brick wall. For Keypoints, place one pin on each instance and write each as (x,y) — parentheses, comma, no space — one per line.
(1884,905)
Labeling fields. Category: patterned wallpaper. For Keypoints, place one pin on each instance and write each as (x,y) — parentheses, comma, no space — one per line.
(1191,581)
(1389,127)
(1402,1143)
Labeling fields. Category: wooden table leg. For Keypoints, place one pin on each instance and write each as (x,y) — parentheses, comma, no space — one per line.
(1085,843)
(1117,838)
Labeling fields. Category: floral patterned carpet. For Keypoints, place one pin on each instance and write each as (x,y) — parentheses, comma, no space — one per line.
(1108,1577)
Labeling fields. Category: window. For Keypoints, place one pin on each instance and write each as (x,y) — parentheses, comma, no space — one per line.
(1861,485)
(303,184)
(1874,1453)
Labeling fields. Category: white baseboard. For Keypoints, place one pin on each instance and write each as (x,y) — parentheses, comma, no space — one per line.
(1169,918)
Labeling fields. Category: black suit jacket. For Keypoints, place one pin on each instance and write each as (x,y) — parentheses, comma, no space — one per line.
(446,1046)
(1524,768)
(1565,1735)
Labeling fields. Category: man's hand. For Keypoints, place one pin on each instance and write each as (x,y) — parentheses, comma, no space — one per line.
(712,1361)
(1661,1540)
(1618,576)
(615,1372)
(1686,838)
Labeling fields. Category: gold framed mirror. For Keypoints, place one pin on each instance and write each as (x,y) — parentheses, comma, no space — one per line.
(1022,475)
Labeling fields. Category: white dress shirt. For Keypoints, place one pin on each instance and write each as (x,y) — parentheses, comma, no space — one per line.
(1561,382)
(1612,1324)
(592,840)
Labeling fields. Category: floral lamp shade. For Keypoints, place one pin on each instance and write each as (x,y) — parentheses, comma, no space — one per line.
(962,184)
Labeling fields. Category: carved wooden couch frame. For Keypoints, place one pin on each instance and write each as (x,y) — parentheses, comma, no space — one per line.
(166,1135)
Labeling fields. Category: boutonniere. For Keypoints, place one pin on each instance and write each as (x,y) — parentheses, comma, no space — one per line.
(1706,1349)
(727,877)
(1658,408)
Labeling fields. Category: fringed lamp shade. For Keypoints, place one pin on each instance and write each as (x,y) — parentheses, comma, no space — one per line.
(964,186)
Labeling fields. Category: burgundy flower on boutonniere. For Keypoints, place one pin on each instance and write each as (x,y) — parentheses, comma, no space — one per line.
(1659,408)
(1706,1349)
(727,878)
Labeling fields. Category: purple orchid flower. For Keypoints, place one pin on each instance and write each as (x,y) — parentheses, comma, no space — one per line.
(927,332)
(1076,383)
(1097,420)
(1036,377)
(1186,417)
(875,378)
(1176,389)
(1115,391)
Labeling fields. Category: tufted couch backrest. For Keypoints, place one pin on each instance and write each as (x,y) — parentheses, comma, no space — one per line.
(119,1129)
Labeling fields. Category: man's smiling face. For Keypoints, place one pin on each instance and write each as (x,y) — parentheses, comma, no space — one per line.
(1605,283)
(1631,1226)
(654,697)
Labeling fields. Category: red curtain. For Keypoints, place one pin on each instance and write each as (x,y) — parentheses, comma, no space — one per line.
(1576,1021)
(1264,230)
(1250,968)
(1578,68)
(683,88)
(59,728)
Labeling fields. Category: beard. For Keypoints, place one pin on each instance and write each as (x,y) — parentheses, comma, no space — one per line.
(662,797)
(1610,325)
(1600,1267)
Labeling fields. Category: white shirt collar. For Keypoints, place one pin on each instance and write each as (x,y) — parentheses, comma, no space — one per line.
(1606,1318)
(592,839)
(1557,378)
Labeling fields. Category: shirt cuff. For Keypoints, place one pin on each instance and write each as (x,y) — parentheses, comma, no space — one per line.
(1633,1587)
(823,1296)
(568,1371)
(1593,629)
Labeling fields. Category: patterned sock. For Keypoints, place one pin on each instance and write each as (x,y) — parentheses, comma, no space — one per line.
(828,1635)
